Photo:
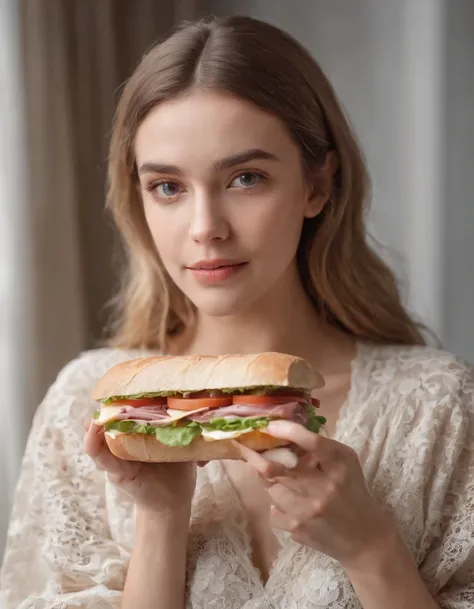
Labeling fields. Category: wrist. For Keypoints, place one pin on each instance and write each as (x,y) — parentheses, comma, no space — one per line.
(375,559)
(386,575)
(150,522)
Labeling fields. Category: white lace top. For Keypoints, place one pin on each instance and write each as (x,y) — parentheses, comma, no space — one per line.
(410,417)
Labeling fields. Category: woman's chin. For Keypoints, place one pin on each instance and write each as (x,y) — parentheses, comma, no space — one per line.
(220,305)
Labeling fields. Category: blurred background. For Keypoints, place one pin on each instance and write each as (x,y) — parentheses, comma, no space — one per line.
(403,70)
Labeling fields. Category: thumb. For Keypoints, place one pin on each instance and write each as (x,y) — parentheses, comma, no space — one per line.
(118,470)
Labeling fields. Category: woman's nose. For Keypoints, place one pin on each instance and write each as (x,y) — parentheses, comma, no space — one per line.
(208,222)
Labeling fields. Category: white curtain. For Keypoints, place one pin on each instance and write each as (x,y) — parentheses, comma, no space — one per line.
(61,63)
(17,341)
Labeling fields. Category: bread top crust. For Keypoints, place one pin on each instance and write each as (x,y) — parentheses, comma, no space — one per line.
(204,372)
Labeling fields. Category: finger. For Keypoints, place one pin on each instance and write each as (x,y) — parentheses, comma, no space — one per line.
(93,439)
(96,447)
(283,456)
(267,469)
(287,500)
(285,522)
(303,481)
(323,450)
(87,424)
(293,432)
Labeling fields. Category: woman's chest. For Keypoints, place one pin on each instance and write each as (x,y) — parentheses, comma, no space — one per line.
(255,502)
(231,537)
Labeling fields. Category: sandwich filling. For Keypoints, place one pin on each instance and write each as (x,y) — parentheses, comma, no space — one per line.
(176,419)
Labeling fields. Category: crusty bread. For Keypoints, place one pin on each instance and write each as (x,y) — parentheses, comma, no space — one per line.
(146,448)
(200,372)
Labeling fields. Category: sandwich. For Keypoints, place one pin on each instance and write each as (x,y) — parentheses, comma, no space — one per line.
(192,408)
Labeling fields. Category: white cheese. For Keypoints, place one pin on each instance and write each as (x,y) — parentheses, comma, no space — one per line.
(212,436)
(175,415)
(109,413)
(113,433)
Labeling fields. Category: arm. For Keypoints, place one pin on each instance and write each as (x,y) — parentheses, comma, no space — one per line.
(156,576)
(59,551)
(389,578)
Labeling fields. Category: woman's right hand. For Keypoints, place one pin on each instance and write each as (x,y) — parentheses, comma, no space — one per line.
(155,487)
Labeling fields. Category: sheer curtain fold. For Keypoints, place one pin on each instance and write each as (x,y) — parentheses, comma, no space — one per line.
(61,65)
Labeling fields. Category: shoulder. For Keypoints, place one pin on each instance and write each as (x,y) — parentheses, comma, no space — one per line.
(431,373)
(422,393)
(89,366)
(70,396)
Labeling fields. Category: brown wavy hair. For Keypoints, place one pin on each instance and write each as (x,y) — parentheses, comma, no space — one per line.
(349,284)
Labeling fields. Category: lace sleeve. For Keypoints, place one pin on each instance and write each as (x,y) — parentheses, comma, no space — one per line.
(59,551)
(449,564)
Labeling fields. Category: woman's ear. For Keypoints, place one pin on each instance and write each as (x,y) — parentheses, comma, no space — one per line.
(320,188)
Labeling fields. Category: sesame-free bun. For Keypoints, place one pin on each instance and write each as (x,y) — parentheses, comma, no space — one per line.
(146,448)
(205,372)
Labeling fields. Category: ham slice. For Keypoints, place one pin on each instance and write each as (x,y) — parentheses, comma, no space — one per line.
(159,415)
(156,416)
(142,413)
(289,410)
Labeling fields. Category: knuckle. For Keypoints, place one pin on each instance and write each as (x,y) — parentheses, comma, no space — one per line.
(313,442)
(339,477)
(295,526)
(299,537)
(269,470)
(115,478)
(318,507)
(332,486)
(351,455)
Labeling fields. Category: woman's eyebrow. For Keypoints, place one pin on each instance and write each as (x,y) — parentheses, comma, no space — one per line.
(244,157)
(225,163)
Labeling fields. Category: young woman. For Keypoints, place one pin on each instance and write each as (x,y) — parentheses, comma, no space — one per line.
(230,150)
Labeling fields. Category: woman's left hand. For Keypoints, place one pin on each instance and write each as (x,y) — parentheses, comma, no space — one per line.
(324,501)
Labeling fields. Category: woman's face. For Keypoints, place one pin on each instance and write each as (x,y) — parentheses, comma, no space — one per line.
(225,198)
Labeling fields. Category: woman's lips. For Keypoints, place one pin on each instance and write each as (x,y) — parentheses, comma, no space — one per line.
(217,273)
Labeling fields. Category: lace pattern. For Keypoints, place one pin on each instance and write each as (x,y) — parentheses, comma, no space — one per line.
(409,416)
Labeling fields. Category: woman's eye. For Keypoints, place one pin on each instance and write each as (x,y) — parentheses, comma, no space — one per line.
(247,180)
(165,189)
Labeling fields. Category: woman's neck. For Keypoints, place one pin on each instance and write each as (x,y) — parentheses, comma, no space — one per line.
(284,321)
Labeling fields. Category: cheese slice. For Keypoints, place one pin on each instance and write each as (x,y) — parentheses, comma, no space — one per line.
(113,433)
(109,413)
(175,415)
(212,436)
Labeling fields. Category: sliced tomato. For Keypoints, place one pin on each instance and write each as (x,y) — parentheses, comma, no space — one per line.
(285,392)
(195,403)
(140,402)
(315,402)
(263,400)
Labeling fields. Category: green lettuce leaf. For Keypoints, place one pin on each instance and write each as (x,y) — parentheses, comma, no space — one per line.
(315,422)
(144,428)
(171,435)
(124,426)
(177,436)
(236,424)
(96,414)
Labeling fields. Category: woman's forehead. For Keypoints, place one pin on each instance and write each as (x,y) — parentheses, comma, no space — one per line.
(209,126)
